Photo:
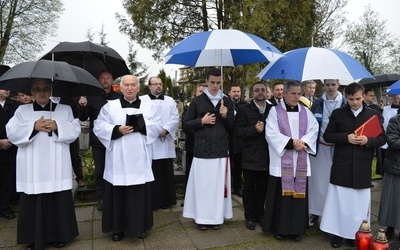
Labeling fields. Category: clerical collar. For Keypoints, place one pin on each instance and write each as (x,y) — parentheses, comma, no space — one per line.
(129,104)
(154,97)
(46,107)
(291,109)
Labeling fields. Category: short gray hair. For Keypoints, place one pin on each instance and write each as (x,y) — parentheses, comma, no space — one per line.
(290,84)
(122,79)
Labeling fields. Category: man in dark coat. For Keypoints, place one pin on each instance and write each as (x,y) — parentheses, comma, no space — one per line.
(235,143)
(277,93)
(90,108)
(208,198)
(8,153)
(249,126)
(348,199)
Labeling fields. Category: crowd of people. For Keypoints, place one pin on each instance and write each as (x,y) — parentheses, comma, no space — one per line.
(293,158)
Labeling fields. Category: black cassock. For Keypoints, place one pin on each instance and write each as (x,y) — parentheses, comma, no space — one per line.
(284,215)
(46,218)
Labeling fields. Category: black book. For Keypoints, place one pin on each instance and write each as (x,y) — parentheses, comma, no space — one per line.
(137,122)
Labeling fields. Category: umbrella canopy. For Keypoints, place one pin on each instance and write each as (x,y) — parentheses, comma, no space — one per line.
(394,89)
(92,57)
(221,48)
(381,80)
(3,69)
(67,80)
(314,63)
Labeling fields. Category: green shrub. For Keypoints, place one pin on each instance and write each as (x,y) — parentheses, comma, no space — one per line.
(89,174)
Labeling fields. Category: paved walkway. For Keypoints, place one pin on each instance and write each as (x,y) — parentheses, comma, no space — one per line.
(172,231)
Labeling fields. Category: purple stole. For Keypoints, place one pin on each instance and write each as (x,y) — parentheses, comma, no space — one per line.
(296,186)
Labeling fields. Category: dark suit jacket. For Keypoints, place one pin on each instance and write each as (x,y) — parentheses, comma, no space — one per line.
(235,142)
(273,101)
(6,113)
(255,154)
(351,165)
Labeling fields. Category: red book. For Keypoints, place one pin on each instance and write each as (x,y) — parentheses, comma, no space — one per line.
(371,128)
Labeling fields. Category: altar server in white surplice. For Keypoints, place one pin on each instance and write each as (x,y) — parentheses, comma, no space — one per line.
(291,131)
(42,131)
(163,194)
(208,194)
(127,199)
(321,163)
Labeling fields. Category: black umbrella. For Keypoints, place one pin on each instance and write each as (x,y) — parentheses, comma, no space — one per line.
(92,57)
(67,80)
(3,69)
(381,80)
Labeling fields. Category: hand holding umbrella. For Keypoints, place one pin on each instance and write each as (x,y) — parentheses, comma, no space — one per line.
(223,110)
(82,101)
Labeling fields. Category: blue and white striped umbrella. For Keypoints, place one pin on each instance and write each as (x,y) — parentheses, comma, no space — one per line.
(314,63)
(221,48)
(394,89)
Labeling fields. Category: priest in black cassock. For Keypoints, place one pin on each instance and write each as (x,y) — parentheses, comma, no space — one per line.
(42,131)
(119,126)
(291,132)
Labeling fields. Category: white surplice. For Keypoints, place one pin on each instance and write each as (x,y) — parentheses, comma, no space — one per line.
(128,161)
(322,162)
(344,210)
(43,161)
(166,109)
(277,141)
(204,197)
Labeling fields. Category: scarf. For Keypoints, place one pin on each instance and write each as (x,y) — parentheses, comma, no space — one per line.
(214,99)
(296,186)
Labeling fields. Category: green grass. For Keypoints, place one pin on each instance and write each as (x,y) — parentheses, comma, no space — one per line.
(374,175)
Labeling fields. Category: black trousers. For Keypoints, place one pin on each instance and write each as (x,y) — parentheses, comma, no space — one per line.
(236,163)
(7,184)
(254,193)
(76,159)
(99,158)
(189,160)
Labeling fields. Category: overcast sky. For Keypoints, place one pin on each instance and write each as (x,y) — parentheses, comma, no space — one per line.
(79,15)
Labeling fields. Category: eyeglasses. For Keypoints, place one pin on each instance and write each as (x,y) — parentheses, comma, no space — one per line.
(259,90)
(157,83)
(44,90)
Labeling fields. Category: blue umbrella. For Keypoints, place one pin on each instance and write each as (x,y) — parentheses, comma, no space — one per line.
(314,63)
(394,89)
(221,48)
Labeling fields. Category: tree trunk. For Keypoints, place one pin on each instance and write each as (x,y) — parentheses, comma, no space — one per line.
(7,33)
